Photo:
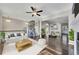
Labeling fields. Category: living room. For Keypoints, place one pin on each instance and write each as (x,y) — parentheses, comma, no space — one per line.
(19,23)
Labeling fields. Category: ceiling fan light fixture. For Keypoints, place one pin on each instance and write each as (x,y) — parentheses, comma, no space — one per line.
(34,13)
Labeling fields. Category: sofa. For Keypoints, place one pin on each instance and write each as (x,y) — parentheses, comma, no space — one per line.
(11,37)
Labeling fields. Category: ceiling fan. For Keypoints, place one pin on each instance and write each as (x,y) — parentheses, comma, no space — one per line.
(35,12)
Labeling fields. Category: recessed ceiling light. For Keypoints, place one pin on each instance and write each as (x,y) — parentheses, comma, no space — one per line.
(8,20)
(26,23)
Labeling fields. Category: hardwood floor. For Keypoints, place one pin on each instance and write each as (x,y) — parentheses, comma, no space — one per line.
(1,48)
(56,44)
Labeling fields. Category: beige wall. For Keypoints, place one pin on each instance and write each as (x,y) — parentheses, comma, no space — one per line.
(0,21)
(13,25)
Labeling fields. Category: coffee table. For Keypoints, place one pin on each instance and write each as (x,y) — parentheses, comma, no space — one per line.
(23,44)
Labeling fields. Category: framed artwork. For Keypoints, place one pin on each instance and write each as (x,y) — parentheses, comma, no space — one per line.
(54,27)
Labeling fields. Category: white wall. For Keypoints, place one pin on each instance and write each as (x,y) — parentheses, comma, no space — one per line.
(49,27)
(71,21)
(37,27)
(58,30)
(64,28)
(75,23)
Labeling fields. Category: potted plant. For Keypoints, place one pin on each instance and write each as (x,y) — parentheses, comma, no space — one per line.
(71,34)
(2,36)
(43,33)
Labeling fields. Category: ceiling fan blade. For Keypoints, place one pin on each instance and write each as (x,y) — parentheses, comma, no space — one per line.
(28,12)
(33,9)
(38,14)
(39,11)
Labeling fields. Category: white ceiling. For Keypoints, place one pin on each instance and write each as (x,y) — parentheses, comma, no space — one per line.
(58,20)
(18,10)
